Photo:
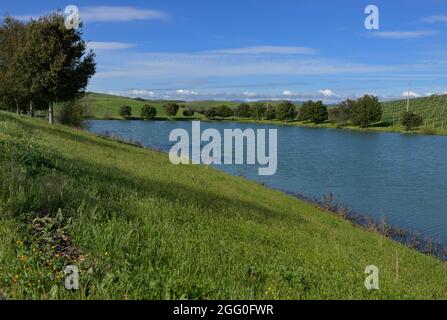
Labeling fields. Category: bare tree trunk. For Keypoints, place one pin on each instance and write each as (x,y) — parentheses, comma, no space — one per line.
(17,107)
(50,113)
(31,109)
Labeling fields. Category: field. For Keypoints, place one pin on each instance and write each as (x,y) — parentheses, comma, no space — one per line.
(432,109)
(138,227)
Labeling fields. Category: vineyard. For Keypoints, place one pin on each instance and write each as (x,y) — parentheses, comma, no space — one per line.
(433,110)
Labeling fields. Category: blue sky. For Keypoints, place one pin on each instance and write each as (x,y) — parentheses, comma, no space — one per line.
(258,49)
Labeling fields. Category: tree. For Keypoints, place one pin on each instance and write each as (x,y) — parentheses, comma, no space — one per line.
(53,63)
(224,111)
(367,110)
(243,110)
(188,112)
(125,111)
(411,120)
(70,114)
(304,112)
(211,113)
(258,110)
(342,114)
(13,94)
(318,112)
(148,112)
(270,113)
(171,109)
(285,111)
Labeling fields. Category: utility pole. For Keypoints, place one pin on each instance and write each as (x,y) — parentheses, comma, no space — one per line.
(408,96)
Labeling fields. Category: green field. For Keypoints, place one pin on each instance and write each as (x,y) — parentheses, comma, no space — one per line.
(432,109)
(138,227)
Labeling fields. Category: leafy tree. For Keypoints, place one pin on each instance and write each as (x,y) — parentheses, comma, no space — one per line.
(342,114)
(411,120)
(224,111)
(243,110)
(367,110)
(13,94)
(270,113)
(188,112)
(148,112)
(125,111)
(286,111)
(53,63)
(211,113)
(304,112)
(171,109)
(318,113)
(70,114)
(258,110)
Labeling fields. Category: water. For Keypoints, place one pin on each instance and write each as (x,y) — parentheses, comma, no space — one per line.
(399,177)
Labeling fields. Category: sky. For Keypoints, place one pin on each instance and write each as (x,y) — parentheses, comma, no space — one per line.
(259,49)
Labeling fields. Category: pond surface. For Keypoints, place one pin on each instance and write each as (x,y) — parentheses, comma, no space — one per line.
(399,177)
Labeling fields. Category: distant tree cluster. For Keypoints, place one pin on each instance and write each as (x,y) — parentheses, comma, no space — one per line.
(42,63)
(362,112)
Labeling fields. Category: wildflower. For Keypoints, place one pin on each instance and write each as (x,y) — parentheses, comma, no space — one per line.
(106,253)
(22,258)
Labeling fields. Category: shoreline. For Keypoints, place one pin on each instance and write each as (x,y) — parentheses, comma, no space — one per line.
(392,129)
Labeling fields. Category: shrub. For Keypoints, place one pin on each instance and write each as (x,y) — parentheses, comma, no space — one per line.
(148,112)
(171,109)
(270,113)
(70,114)
(224,111)
(367,110)
(188,112)
(285,111)
(411,120)
(210,113)
(243,110)
(125,111)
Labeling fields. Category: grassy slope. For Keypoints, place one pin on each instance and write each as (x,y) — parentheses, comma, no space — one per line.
(148,229)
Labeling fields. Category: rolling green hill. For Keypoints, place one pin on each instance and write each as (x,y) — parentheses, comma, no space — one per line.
(139,227)
(432,109)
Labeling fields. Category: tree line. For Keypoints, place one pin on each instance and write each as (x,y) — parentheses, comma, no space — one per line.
(42,63)
(363,112)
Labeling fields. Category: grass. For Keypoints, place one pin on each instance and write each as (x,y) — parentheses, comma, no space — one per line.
(138,227)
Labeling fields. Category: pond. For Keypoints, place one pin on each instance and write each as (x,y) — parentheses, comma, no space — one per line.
(399,177)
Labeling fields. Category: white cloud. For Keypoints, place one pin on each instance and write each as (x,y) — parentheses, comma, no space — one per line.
(327,93)
(109,14)
(117,13)
(435,19)
(182,92)
(97,45)
(410,94)
(142,93)
(249,94)
(266,50)
(403,34)
(288,93)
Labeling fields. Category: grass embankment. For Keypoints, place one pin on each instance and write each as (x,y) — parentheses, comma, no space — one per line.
(139,227)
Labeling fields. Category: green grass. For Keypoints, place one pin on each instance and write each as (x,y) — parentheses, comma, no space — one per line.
(432,109)
(140,228)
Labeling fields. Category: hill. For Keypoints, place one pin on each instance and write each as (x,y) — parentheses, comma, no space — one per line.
(433,110)
(138,227)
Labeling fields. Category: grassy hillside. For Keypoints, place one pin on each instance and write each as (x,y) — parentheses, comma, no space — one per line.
(138,227)
(432,109)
